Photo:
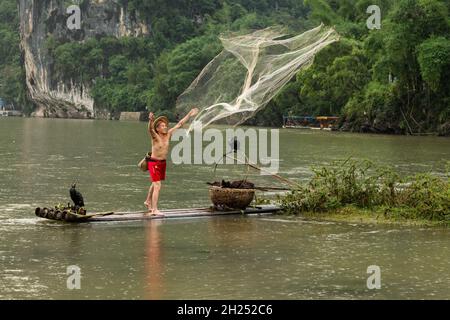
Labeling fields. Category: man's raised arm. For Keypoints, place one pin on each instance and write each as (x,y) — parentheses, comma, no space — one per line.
(151,128)
(191,113)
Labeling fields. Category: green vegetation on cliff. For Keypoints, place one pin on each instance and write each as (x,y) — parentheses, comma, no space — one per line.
(12,75)
(395,79)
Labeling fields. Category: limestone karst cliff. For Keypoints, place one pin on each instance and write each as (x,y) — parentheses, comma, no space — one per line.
(57,96)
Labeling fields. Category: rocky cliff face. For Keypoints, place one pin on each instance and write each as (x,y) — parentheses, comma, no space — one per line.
(40,19)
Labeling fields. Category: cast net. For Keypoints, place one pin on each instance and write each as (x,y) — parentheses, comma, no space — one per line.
(249,72)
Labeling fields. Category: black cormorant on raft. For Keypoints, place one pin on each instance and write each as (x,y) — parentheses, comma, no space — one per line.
(76,196)
(66,214)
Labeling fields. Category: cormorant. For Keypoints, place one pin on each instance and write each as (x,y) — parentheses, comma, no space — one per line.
(234,144)
(76,196)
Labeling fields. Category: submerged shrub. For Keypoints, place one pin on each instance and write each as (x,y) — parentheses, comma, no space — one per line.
(428,196)
(364,185)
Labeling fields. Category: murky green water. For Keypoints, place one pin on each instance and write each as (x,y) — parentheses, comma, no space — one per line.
(218,258)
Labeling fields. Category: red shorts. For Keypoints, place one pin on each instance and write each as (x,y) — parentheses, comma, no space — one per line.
(157,169)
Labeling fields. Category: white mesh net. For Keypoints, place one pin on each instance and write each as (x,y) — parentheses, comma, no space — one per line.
(249,72)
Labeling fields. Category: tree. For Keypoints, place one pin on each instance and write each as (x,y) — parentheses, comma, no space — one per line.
(434,62)
(176,69)
(12,88)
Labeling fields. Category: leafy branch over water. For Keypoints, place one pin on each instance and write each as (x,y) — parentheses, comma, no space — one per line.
(362,184)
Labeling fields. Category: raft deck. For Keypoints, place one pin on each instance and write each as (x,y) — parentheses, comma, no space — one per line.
(168,214)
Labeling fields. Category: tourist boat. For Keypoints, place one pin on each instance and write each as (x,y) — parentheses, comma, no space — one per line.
(327,123)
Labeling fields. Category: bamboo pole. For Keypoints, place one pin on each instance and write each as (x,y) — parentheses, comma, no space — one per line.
(291,183)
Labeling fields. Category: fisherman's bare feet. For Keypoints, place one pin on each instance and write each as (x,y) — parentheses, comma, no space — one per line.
(157,213)
(154,213)
(148,205)
(148,213)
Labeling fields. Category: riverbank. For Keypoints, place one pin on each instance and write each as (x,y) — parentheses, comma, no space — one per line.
(443,131)
(393,128)
(10,113)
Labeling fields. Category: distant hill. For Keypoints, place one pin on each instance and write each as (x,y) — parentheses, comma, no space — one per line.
(130,54)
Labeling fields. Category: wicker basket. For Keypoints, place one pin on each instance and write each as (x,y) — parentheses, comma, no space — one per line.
(231,198)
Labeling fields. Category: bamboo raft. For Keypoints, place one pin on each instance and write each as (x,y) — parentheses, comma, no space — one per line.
(69,216)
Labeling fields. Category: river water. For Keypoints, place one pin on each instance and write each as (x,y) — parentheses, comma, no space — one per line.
(235,257)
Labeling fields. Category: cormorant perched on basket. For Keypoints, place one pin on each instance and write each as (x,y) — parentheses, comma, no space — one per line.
(234,144)
(76,196)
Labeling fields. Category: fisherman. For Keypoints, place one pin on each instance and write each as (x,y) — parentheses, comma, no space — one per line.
(160,135)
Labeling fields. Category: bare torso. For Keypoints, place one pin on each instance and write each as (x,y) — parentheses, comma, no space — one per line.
(161,134)
(160,146)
